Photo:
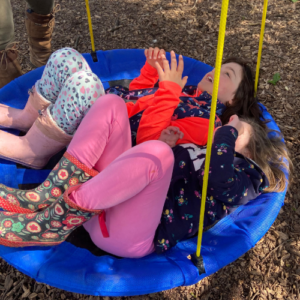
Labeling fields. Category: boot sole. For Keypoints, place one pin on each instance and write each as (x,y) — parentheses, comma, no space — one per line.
(22,163)
(4,127)
(16,244)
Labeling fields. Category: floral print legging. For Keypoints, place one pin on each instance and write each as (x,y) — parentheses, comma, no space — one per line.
(71,87)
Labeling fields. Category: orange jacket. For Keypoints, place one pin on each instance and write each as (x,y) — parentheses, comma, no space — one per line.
(159,109)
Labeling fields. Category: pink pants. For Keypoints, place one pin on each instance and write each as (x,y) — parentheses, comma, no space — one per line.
(132,184)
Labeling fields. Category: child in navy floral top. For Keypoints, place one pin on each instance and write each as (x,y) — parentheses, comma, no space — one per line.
(234,180)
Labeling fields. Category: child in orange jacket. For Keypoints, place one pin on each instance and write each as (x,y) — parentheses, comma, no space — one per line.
(172,106)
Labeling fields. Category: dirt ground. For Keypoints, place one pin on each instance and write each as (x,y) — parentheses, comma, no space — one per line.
(271,270)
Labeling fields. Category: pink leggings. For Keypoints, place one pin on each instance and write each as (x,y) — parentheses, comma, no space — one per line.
(132,184)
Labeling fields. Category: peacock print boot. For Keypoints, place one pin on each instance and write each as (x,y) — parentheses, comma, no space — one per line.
(68,172)
(48,227)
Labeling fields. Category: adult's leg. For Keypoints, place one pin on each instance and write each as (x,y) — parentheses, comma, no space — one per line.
(132,190)
(9,65)
(40,21)
(6,24)
(44,7)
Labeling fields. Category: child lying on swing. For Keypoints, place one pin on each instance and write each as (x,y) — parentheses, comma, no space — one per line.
(185,107)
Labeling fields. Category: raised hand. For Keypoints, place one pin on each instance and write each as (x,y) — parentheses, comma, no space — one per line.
(174,73)
(154,55)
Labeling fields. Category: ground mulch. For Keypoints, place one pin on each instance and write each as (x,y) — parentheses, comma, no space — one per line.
(271,270)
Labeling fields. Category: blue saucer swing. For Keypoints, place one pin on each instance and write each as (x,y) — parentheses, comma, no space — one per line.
(75,269)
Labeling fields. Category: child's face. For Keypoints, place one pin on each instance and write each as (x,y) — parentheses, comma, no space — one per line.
(243,140)
(230,79)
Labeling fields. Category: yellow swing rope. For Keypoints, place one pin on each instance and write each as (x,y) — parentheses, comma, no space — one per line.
(261,39)
(220,48)
(90,24)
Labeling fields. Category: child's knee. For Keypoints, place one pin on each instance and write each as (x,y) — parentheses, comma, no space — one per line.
(112,100)
(159,149)
(71,59)
(81,91)
(65,52)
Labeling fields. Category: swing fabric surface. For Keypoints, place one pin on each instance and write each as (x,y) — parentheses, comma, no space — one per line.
(77,270)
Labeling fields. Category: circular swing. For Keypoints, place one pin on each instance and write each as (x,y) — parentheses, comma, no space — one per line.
(76,269)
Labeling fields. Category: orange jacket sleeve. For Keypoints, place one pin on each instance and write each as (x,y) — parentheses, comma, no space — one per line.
(147,78)
(195,130)
(158,115)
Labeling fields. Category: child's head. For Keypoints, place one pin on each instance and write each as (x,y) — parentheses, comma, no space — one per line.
(270,153)
(231,76)
(236,89)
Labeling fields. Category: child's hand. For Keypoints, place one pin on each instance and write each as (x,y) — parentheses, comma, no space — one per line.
(171,135)
(235,122)
(154,55)
(175,73)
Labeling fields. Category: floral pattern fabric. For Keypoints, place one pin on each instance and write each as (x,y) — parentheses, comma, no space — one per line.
(65,174)
(50,226)
(233,181)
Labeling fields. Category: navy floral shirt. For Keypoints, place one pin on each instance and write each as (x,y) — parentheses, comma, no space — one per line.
(233,181)
(188,106)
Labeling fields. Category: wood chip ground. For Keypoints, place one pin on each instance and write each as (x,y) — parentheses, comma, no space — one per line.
(271,270)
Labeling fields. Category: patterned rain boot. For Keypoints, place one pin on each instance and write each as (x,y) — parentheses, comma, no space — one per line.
(42,141)
(44,228)
(68,172)
(23,119)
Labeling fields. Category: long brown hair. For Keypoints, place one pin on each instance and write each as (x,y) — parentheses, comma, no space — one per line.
(244,103)
(270,152)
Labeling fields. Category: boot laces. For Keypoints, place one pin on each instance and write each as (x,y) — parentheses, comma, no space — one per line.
(10,47)
(55,10)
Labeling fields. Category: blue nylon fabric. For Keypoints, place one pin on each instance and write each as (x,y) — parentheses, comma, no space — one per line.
(77,270)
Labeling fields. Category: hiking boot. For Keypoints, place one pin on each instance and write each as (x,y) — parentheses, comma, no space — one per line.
(39,29)
(9,65)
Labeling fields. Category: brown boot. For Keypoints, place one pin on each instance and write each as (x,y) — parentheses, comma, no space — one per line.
(9,65)
(39,29)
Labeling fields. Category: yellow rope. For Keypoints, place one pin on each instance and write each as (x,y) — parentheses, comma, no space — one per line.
(90,24)
(261,39)
(220,48)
